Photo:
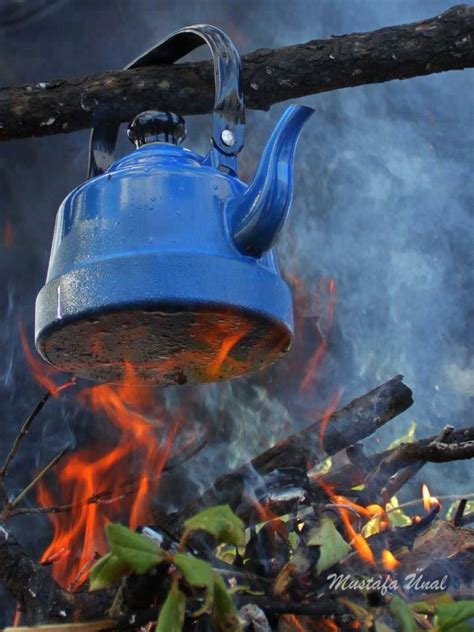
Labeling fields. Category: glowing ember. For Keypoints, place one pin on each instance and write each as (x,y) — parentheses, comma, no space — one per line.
(429,501)
(389,561)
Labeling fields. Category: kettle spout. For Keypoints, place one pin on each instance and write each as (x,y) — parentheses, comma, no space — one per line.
(257,216)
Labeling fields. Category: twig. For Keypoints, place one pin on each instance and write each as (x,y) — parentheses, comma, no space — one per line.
(81,575)
(419,501)
(18,440)
(388,475)
(22,434)
(103,497)
(54,461)
(407,454)
(437,44)
(181,460)
(458,516)
(271,606)
(99,498)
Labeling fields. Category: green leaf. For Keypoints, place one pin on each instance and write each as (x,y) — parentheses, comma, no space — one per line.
(458,627)
(401,611)
(106,571)
(136,550)
(450,616)
(397,517)
(408,437)
(171,618)
(197,573)
(224,613)
(453,507)
(332,545)
(221,522)
(430,603)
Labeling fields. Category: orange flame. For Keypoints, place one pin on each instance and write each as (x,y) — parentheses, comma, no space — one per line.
(43,373)
(226,347)
(357,540)
(90,478)
(389,561)
(326,418)
(429,501)
(265,514)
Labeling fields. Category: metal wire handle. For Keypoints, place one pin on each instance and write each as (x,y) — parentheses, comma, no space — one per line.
(228,113)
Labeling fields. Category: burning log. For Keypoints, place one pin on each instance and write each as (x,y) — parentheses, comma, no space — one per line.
(269,76)
(327,436)
(283,470)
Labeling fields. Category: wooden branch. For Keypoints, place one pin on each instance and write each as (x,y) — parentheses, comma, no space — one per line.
(359,419)
(394,471)
(23,432)
(440,452)
(444,42)
(49,466)
(456,445)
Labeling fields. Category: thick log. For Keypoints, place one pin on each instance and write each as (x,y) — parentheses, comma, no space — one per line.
(359,419)
(441,43)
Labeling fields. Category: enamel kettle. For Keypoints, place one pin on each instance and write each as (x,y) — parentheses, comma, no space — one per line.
(161,269)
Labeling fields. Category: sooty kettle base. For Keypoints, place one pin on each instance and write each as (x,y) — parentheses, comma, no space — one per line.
(150,347)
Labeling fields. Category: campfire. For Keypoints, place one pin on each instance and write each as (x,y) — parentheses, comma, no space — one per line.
(324,542)
(228,481)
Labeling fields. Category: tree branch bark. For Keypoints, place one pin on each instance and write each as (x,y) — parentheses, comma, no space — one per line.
(444,42)
(458,445)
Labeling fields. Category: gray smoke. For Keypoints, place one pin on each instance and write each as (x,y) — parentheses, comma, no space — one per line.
(383,204)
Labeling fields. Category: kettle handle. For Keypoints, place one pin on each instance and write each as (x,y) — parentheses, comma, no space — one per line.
(228,113)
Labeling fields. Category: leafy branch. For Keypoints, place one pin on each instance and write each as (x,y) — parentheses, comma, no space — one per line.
(132,552)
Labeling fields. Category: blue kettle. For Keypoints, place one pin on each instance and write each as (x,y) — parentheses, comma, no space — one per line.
(162,270)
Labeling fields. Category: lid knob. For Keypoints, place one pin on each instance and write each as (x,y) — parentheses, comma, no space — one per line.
(152,126)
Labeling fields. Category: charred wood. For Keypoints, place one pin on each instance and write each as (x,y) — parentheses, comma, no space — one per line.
(38,595)
(355,421)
